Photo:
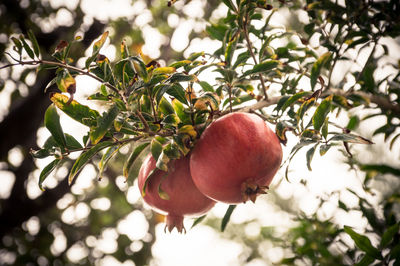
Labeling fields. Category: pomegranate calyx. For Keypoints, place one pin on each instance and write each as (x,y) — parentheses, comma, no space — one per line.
(250,190)
(174,221)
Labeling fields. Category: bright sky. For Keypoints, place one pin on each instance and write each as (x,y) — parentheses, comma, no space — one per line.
(201,245)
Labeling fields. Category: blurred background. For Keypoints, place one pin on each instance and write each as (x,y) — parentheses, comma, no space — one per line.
(105,222)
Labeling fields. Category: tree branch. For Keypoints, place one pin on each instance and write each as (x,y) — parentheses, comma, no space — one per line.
(382,102)
(250,47)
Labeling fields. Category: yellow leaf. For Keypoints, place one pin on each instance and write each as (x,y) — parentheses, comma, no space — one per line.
(189,130)
(164,70)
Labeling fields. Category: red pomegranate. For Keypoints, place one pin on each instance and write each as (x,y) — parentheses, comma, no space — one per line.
(235,158)
(184,198)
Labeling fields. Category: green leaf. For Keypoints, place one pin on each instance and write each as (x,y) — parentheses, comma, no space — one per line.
(262,67)
(256,16)
(52,123)
(84,158)
(281,102)
(309,29)
(341,101)
(304,107)
(309,155)
(98,44)
(132,158)
(281,129)
(72,143)
(322,61)
(228,74)
(351,138)
(189,130)
(177,91)
(164,70)
(124,50)
(363,243)
(50,146)
(365,261)
(324,129)
(395,253)
(324,149)
(182,77)
(394,140)
(146,182)
(381,168)
(162,161)
(32,38)
(99,97)
(46,171)
(156,148)
(216,31)
(206,86)
(209,99)
(96,49)
(229,4)
(159,91)
(27,48)
(162,194)
(227,217)
(230,49)
(66,82)
(353,122)
(322,111)
(17,44)
(140,67)
(343,206)
(311,134)
(180,111)
(172,151)
(194,56)
(166,107)
(103,124)
(294,98)
(40,154)
(51,83)
(389,234)
(288,261)
(198,220)
(171,119)
(106,158)
(124,70)
(179,64)
(242,58)
(81,113)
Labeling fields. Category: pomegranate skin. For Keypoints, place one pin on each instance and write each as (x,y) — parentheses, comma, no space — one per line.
(235,158)
(184,197)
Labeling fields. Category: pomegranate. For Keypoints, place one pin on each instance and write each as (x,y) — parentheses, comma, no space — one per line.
(235,158)
(184,199)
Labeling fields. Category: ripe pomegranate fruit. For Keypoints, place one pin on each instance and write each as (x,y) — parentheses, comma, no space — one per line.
(184,197)
(235,158)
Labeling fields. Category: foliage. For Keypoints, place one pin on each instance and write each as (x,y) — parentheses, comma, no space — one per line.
(282,75)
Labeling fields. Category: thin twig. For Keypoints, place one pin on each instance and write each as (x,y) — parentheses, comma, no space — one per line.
(143,120)
(10,65)
(250,47)
(80,71)
(119,142)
